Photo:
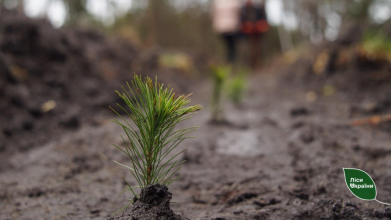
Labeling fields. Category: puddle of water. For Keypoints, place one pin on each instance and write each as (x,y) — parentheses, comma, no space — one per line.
(240,143)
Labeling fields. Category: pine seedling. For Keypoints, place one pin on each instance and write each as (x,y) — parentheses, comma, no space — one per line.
(237,86)
(155,111)
(219,76)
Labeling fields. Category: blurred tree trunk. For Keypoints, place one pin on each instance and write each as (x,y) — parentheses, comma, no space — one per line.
(285,39)
(20,6)
(76,9)
(283,35)
(152,22)
(46,11)
(158,15)
(363,10)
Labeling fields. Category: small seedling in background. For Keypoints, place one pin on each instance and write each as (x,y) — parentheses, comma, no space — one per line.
(377,44)
(219,76)
(237,86)
(155,111)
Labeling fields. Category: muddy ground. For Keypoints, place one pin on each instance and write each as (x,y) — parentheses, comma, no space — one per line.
(281,156)
(281,159)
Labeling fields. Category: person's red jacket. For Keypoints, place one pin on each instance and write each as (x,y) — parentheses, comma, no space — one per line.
(261,26)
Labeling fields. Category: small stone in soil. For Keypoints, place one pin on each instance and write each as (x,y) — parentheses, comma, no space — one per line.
(242,197)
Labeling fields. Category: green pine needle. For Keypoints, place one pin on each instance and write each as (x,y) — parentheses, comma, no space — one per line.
(155,111)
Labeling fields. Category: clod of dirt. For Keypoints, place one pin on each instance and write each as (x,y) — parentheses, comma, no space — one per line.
(71,123)
(300,111)
(153,204)
(242,197)
(307,137)
(36,192)
(262,203)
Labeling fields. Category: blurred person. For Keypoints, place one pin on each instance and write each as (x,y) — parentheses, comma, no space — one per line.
(253,25)
(226,22)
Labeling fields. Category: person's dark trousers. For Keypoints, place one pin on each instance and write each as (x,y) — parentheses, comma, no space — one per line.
(254,44)
(254,41)
(230,45)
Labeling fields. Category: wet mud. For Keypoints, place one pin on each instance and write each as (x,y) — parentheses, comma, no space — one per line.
(280,156)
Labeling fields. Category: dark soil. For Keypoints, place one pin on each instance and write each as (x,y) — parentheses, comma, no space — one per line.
(77,69)
(74,70)
(154,203)
(279,157)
